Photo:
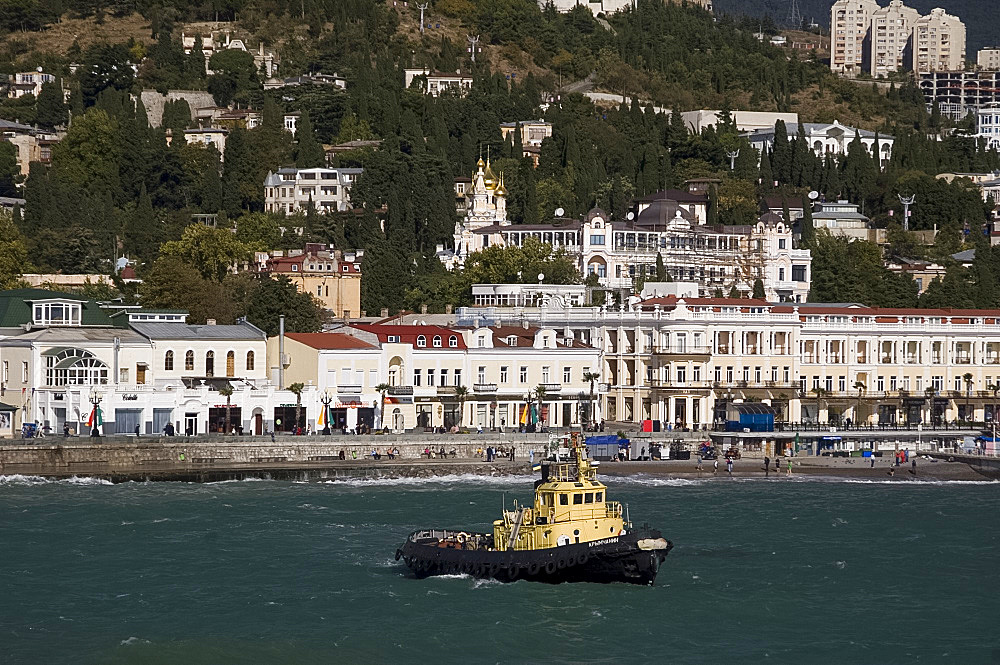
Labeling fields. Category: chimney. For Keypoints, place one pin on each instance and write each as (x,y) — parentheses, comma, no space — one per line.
(447,308)
(385,313)
(210,322)
(524,324)
(364,313)
(423,308)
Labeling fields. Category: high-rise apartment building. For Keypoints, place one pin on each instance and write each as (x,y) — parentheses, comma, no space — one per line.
(850,30)
(938,42)
(891,39)
(989,58)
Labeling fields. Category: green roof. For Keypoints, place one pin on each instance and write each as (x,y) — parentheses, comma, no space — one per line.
(15,308)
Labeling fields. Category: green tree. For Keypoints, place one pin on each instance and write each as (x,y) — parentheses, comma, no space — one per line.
(297,389)
(264,299)
(51,110)
(10,172)
(212,252)
(461,394)
(234,74)
(661,270)
(758,289)
(227,392)
(382,389)
(172,284)
(308,153)
(13,252)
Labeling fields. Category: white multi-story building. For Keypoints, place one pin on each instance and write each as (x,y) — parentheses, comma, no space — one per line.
(988,58)
(988,125)
(938,42)
(850,35)
(683,361)
(292,190)
(438,82)
(532,132)
(669,224)
(891,39)
(833,138)
(28,83)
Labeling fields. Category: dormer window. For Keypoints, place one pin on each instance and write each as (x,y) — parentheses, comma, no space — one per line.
(437,341)
(453,342)
(57,313)
(512,341)
(395,338)
(295,268)
(421,341)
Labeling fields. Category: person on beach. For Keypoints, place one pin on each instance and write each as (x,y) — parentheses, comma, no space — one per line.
(729,466)
(788,470)
(892,471)
(767,466)
(913,465)
(699,467)
(873,461)
(715,467)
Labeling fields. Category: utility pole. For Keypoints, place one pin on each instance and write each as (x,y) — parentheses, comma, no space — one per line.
(473,45)
(907,201)
(732,159)
(422,8)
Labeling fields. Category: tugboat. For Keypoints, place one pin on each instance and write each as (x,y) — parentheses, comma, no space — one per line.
(571,533)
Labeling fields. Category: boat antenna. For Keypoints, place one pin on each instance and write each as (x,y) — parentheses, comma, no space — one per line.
(628,516)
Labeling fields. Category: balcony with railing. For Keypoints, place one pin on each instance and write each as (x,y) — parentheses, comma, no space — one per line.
(484,387)
(446,390)
(551,387)
(349,388)
(685,350)
(400,390)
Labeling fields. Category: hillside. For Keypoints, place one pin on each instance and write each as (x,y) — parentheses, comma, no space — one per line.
(982,20)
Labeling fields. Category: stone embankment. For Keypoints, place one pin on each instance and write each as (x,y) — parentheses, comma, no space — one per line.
(223,458)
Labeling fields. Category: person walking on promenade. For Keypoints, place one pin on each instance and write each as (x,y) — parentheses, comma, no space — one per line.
(715,467)
(729,466)
(699,468)
(913,465)
(767,466)
(788,470)
(873,461)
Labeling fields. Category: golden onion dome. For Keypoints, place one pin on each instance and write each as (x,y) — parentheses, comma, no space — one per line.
(480,164)
(489,179)
(500,190)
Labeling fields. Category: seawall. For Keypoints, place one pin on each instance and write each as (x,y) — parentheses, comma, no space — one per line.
(307,458)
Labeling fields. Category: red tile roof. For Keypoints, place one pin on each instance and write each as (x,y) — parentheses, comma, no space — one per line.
(408,334)
(330,341)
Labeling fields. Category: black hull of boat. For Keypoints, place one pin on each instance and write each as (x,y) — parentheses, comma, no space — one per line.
(616,559)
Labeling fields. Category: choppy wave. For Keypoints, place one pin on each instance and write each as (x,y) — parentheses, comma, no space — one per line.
(18,479)
(449,479)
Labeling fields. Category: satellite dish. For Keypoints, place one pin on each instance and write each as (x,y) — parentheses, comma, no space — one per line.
(560,212)
(541,276)
(813,195)
(630,216)
(38,69)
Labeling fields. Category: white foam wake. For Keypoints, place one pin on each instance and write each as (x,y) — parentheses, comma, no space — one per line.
(18,479)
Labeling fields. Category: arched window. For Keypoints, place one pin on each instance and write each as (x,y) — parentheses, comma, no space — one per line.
(249,361)
(437,341)
(421,341)
(210,363)
(453,342)
(231,364)
(189,361)
(168,361)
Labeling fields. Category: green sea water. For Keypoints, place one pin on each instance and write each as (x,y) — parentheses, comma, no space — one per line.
(763,571)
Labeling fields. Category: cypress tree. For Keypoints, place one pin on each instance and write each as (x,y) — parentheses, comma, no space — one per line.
(309,152)
(51,110)
(237,172)
(661,270)
(806,230)
(766,175)
(781,158)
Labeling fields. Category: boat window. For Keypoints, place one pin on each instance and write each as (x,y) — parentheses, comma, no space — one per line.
(589,498)
(577,499)
(563,500)
(599,497)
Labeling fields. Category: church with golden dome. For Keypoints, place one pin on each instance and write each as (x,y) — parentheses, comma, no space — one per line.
(485,206)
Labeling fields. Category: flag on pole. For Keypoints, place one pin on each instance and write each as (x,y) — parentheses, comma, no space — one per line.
(96,419)
(524,415)
(321,421)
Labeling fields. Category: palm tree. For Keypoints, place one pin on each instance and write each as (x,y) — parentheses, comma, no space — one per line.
(227,392)
(296,389)
(461,394)
(591,377)
(382,389)
(929,393)
(967,377)
(820,394)
(994,388)
(540,394)
(861,388)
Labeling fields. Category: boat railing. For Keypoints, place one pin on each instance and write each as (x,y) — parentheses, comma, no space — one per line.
(614,509)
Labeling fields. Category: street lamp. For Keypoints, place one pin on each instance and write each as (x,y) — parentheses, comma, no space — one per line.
(907,201)
(95,414)
(326,399)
